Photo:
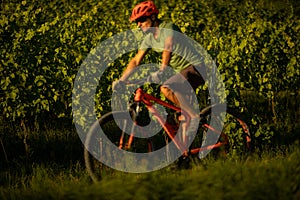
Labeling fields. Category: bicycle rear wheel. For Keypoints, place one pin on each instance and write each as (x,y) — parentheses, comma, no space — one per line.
(113,132)
(223,131)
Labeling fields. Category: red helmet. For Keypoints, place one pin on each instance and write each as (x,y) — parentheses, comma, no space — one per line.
(144,9)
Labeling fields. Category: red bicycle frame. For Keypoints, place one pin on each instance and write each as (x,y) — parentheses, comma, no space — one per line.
(181,141)
(147,99)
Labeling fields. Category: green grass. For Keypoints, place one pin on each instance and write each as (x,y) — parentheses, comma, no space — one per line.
(52,168)
(270,175)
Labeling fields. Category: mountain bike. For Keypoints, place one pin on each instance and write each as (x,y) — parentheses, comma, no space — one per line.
(125,130)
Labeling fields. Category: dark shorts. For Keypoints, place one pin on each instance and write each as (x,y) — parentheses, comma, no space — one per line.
(189,78)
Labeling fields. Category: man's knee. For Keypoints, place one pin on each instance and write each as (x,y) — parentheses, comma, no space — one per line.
(169,94)
(166,91)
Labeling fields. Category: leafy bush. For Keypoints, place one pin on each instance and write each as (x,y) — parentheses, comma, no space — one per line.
(255,44)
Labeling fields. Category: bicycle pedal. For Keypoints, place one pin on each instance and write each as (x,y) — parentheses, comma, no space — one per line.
(184,162)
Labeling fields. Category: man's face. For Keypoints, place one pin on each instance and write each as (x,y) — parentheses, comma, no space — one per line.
(144,23)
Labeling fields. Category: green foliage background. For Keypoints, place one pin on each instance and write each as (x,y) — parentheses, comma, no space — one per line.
(255,44)
(43,44)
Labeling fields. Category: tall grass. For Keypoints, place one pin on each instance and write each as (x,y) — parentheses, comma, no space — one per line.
(271,175)
(52,168)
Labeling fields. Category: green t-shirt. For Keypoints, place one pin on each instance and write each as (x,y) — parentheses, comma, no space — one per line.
(183,53)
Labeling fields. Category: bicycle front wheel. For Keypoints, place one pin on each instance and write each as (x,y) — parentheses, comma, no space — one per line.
(111,133)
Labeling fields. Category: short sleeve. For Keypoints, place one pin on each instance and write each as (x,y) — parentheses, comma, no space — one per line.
(170,29)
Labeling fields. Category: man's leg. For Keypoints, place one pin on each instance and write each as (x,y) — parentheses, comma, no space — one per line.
(175,89)
(179,100)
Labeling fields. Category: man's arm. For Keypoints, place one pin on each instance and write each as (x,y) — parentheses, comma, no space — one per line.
(166,57)
(134,62)
(167,52)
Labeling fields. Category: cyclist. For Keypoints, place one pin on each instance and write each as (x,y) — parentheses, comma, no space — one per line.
(145,15)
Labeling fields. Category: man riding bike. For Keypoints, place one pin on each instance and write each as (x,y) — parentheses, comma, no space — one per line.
(145,15)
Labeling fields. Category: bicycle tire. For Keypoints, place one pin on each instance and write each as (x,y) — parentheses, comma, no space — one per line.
(235,128)
(94,150)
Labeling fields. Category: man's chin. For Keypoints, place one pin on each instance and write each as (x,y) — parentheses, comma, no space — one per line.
(145,30)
